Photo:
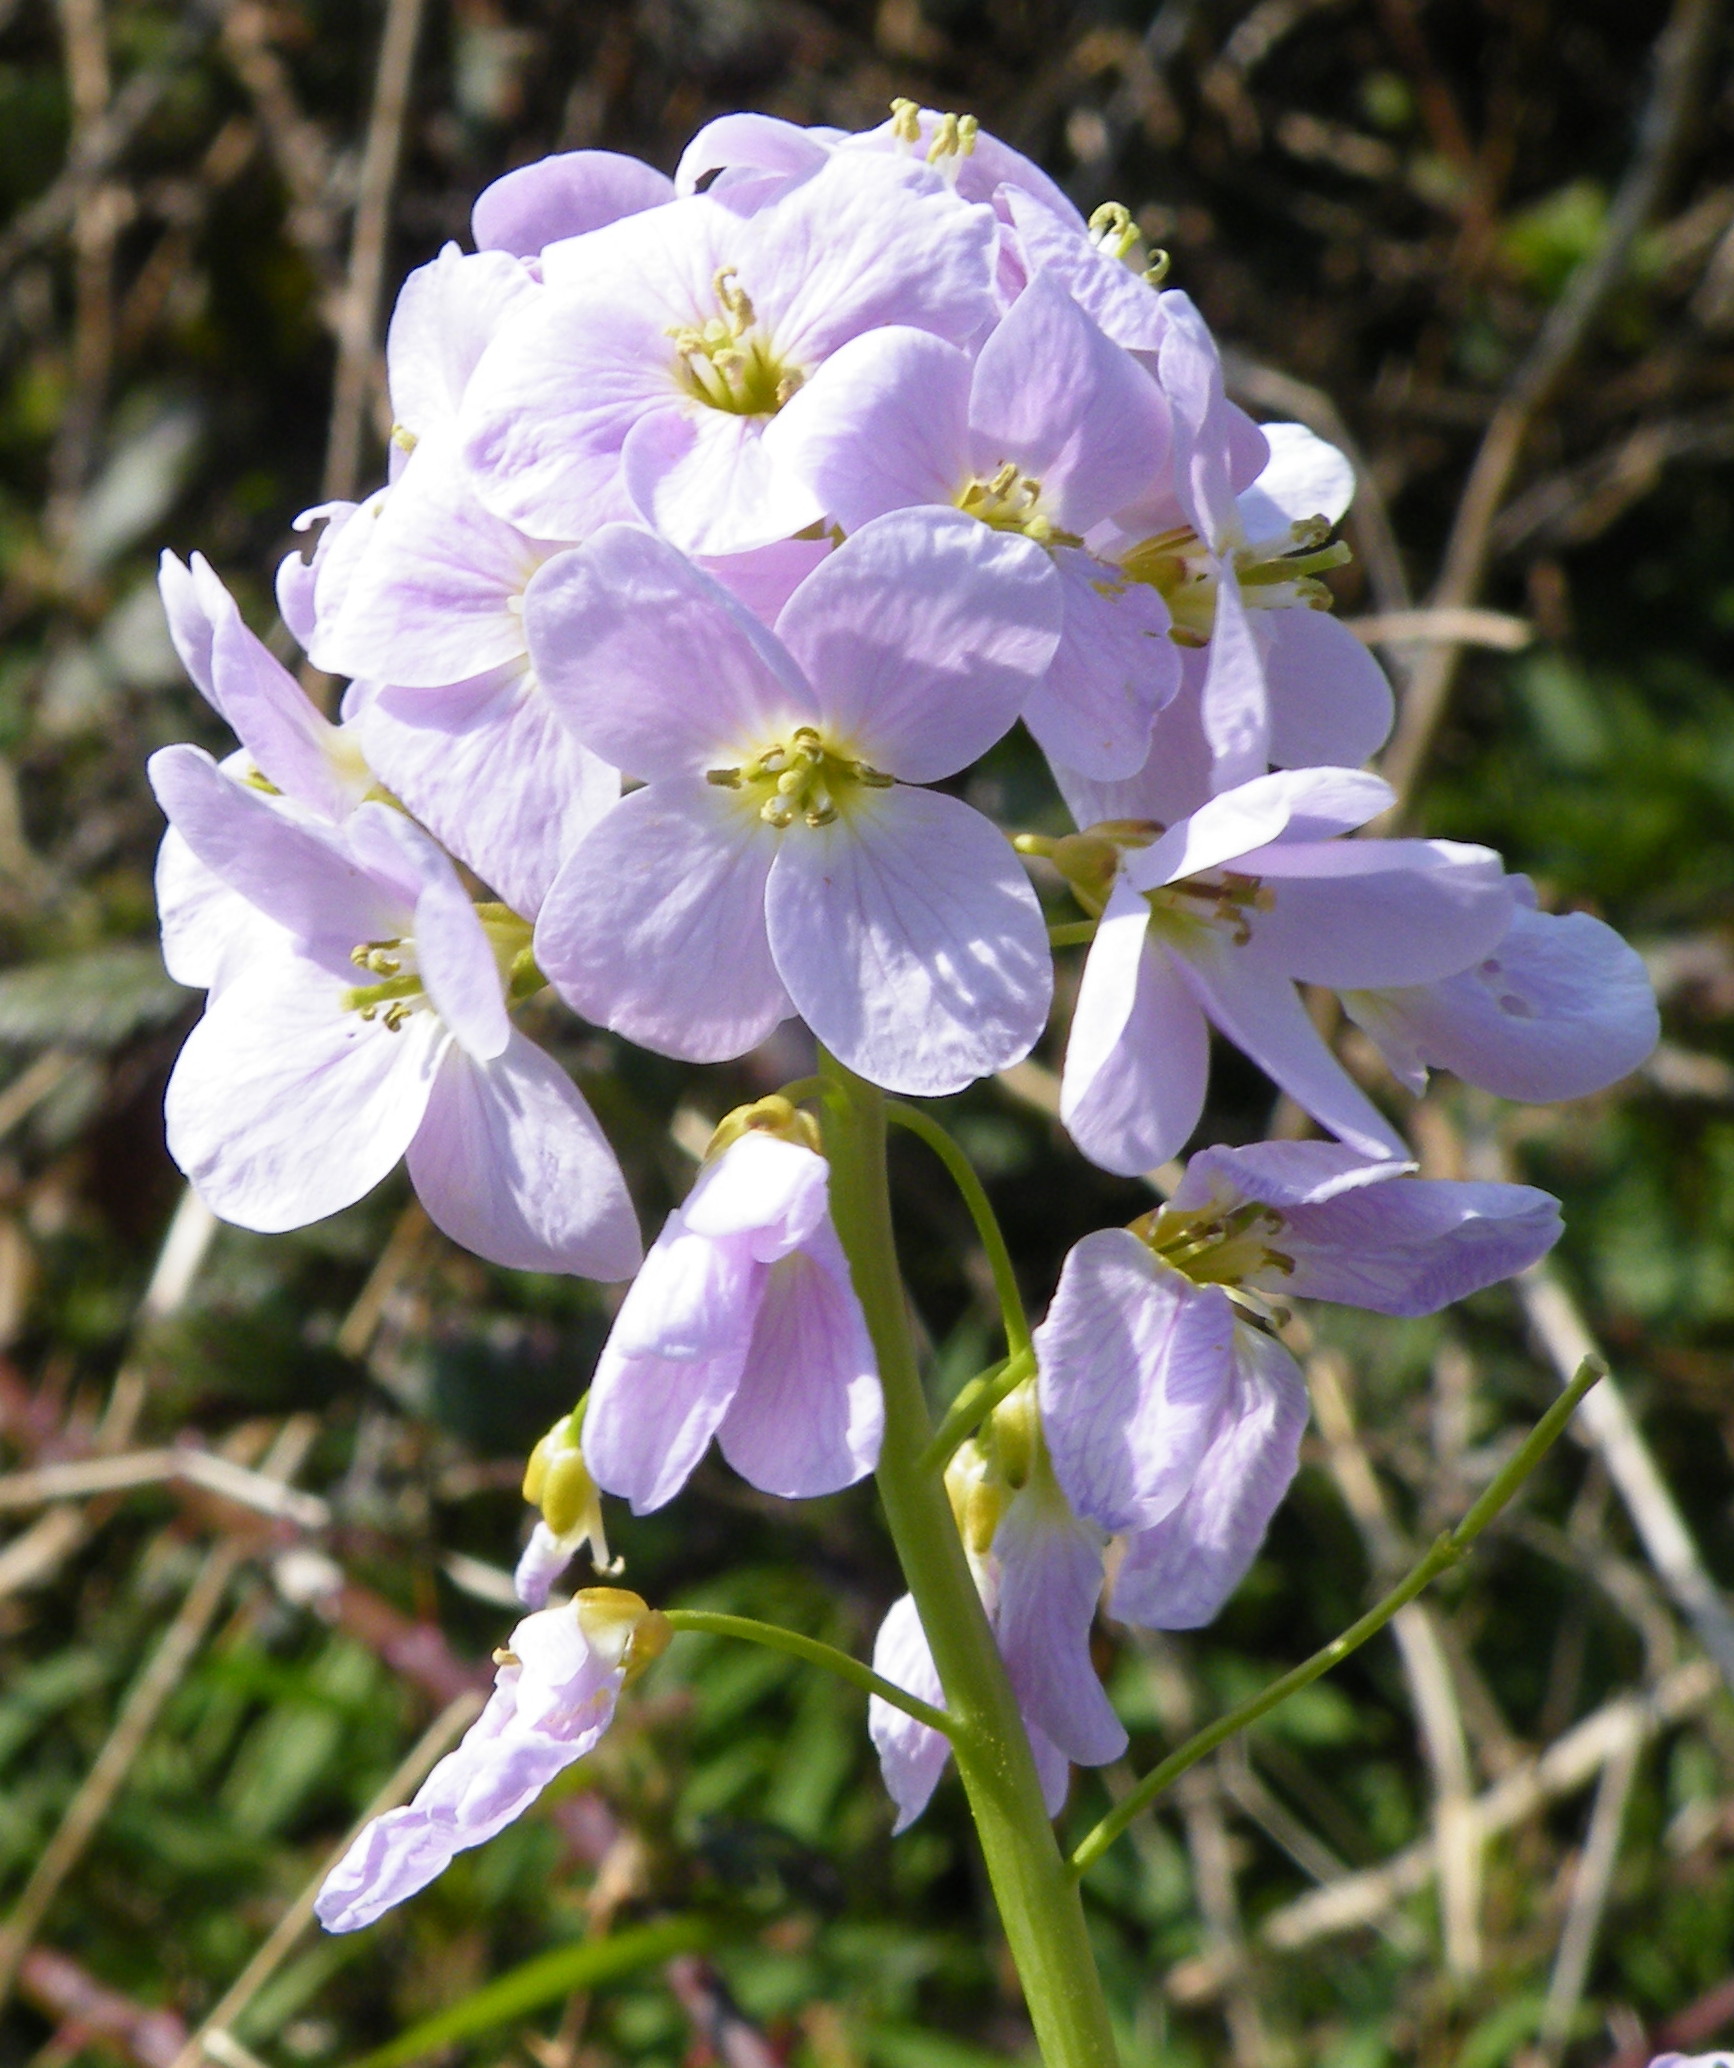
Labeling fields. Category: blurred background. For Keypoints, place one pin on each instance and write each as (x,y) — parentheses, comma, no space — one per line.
(258,1496)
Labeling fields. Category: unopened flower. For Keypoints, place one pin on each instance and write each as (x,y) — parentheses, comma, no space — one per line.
(1172,1414)
(742,1325)
(557,1482)
(372,1024)
(780,858)
(554,1694)
(1218,919)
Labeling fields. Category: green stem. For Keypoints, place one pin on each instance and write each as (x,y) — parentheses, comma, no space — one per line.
(1038,1897)
(1446,1552)
(1072,933)
(974,1403)
(1005,1278)
(775,1638)
(801,1089)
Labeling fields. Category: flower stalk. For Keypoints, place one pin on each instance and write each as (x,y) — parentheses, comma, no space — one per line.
(1036,1892)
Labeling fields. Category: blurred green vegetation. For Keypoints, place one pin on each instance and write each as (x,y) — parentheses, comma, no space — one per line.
(1377,199)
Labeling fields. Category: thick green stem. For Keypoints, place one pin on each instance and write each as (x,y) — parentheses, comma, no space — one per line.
(974,1404)
(1037,1896)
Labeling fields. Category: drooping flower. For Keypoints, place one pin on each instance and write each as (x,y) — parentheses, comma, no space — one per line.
(779,858)
(371,1025)
(1172,1414)
(1047,433)
(555,1690)
(1218,919)
(1038,1568)
(742,1325)
(1559,1008)
(663,348)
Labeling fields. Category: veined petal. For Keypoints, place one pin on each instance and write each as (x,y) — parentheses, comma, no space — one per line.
(1123,304)
(652,664)
(510,1162)
(753,143)
(1290,804)
(490,770)
(808,1415)
(911,941)
(193,602)
(650,1420)
(1330,701)
(209,931)
(564,196)
(288,868)
(445,316)
(694,1298)
(1262,1013)
(1561,1007)
(714,483)
(1190,370)
(763,580)
(284,1107)
(1138,1055)
(1304,477)
(1235,704)
(772,1193)
(1050,1577)
(436,596)
(883,425)
(1114,669)
(1373,912)
(1134,1367)
(912,1755)
(1177,1575)
(656,924)
(1071,409)
(923,636)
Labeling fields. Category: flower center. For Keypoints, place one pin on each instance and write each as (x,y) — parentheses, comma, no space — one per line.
(805,777)
(728,362)
(1218,898)
(1273,575)
(1011,501)
(398,990)
(1216,1245)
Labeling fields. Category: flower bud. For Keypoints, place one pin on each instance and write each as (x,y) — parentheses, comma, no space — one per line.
(775,1116)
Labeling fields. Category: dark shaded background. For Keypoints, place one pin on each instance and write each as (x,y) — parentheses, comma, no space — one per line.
(1450,230)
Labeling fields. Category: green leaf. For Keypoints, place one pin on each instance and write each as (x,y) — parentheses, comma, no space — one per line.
(586,1965)
(88,1001)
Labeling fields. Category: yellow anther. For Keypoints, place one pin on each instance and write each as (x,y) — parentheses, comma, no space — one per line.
(404,438)
(503,1657)
(906,121)
(1112,229)
(1157,270)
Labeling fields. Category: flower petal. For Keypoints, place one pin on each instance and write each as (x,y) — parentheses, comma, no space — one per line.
(772,1192)
(1178,1575)
(912,1755)
(1134,1366)
(714,483)
(445,316)
(1114,669)
(1138,1056)
(650,1420)
(808,1415)
(509,1162)
(1330,701)
(284,1107)
(1120,301)
(911,941)
(656,924)
(1561,1007)
(1304,477)
(1262,1013)
(564,196)
(923,636)
(1050,1579)
(652,664)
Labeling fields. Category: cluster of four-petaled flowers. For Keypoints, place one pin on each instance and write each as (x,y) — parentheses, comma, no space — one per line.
(784,490)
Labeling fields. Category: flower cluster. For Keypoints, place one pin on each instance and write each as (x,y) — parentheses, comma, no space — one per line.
(730,519)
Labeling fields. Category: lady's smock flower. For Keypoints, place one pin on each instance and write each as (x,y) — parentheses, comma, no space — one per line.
(559,1678)
(779,858)
(742,1325)
(1172,1414)
(373,1025)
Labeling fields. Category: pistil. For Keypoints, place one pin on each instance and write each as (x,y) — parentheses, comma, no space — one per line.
(804,777)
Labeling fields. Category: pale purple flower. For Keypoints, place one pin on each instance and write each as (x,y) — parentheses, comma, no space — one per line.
(1218,919)
(446,314)
(1172,1416)
(430,617)
(778,858)
(1559,1008)
(554,1695)
(663,348)
(371,1024)
(1040,1578)
(563,196)
(1049,432)
(742,1325)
